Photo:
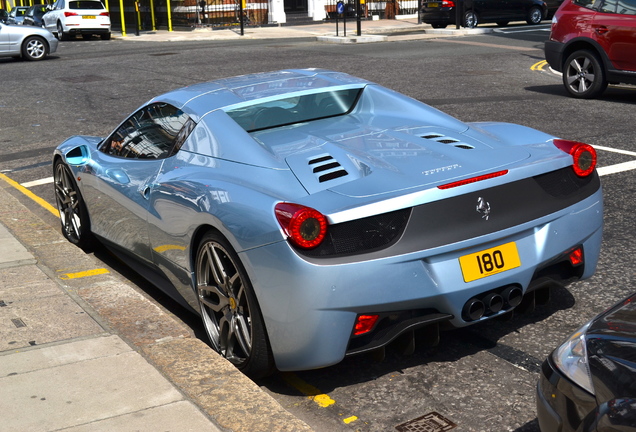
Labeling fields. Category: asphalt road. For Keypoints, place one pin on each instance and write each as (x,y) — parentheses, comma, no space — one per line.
(480,379)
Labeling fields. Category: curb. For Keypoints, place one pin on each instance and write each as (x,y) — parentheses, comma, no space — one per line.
(228,397)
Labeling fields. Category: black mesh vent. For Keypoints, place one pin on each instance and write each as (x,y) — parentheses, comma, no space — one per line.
(362,235)
(563,182)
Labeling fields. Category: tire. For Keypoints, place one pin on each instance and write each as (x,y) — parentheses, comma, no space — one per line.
(470,19)
(439,26)
(60,32)
(70,204)
(535,15)
(34,48)
(584,75)
(105,36)
(230,312)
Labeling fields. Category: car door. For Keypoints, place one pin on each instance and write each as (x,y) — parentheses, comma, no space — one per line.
(125,168)
(615,27)
(4,39)
(50,18)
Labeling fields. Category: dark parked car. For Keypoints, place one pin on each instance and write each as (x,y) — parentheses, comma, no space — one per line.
(594,44)
(34,15)
(589,382)
(4,15)
(440,13)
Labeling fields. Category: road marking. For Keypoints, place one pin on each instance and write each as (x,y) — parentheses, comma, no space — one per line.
(87,273)
(40,182)
(544,27)
(31,195)
(484,44)
(307,389)
(539,66)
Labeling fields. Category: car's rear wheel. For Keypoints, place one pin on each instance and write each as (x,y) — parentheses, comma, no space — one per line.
(470,19)
(535,15)
(60,32)
(583,75)
(229,309)
(70,204)
(34,48)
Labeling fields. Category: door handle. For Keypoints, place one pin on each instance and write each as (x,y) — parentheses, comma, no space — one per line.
(601,30)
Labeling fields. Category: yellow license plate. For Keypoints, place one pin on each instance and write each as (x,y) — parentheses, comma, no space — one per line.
(432,5)
(489,262)
(88,16)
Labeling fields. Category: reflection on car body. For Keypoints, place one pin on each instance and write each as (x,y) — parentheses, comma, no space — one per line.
(309,214)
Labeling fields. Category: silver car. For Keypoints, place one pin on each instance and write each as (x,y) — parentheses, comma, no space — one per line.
(28,42)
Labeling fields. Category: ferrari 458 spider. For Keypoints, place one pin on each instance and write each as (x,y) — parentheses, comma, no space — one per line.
(308,215)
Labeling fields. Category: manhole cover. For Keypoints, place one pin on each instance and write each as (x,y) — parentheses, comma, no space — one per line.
(432,422)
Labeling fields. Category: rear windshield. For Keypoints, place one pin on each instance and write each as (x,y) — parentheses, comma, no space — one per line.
(85,4)
(295,109)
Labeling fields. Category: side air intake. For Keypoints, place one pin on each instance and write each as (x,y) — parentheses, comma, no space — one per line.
(326,168)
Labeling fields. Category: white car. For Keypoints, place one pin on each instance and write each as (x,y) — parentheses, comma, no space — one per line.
(72,17)
(30,43)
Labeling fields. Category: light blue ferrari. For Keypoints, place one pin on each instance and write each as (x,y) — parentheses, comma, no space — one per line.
(308,215)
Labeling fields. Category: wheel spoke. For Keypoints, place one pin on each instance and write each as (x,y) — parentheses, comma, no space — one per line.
(206,293)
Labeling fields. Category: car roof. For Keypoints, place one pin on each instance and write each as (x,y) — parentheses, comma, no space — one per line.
(226,92)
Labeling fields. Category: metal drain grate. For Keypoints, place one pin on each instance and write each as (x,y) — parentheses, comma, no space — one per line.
(432,422)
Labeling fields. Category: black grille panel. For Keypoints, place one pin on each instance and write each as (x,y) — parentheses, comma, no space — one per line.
(361,235)
(563,182)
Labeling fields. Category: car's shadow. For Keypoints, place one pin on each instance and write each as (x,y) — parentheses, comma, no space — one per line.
(617,94)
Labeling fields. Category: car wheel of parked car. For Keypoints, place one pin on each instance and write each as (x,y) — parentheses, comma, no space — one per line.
(34,48)
(535,15)
(470,19)
(583,75)
(70,204)
(229,309)
(60,32)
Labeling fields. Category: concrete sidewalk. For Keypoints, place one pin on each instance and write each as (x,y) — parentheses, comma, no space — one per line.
(371,31)
(82,350)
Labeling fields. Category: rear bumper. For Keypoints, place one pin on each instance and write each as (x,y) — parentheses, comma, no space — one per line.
(310,308)
(554,54)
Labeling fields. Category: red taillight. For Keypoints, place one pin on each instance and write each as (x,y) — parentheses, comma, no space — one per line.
(104,14)
(364,324)
(583,155)
(448,3)
(304,226)
(473,180)
(576,256)
(68,14)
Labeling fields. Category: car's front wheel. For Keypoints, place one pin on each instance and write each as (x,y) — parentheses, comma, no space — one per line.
(70,204)
(583,75)
(34,48)
(229,309)
(535,15)
(470,19)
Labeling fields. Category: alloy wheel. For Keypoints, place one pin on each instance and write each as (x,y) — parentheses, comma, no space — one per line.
(224,304)
(68,204)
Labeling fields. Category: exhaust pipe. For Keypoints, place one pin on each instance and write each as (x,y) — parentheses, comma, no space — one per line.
(493,302)
(473,309)
(512,296)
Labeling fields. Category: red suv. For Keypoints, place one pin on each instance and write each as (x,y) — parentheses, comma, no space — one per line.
(593,42)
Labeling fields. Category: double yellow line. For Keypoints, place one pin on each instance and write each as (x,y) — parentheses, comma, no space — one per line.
(539,65)
(31,195)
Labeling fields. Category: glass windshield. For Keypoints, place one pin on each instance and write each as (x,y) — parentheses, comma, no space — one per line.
(295,109)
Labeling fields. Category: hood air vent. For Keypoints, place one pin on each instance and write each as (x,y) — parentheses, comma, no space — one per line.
(326,168)
(447,140)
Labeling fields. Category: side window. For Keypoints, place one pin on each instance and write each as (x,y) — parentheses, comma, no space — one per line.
(626,7)
(608,6)
(585,3)
(150,133)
